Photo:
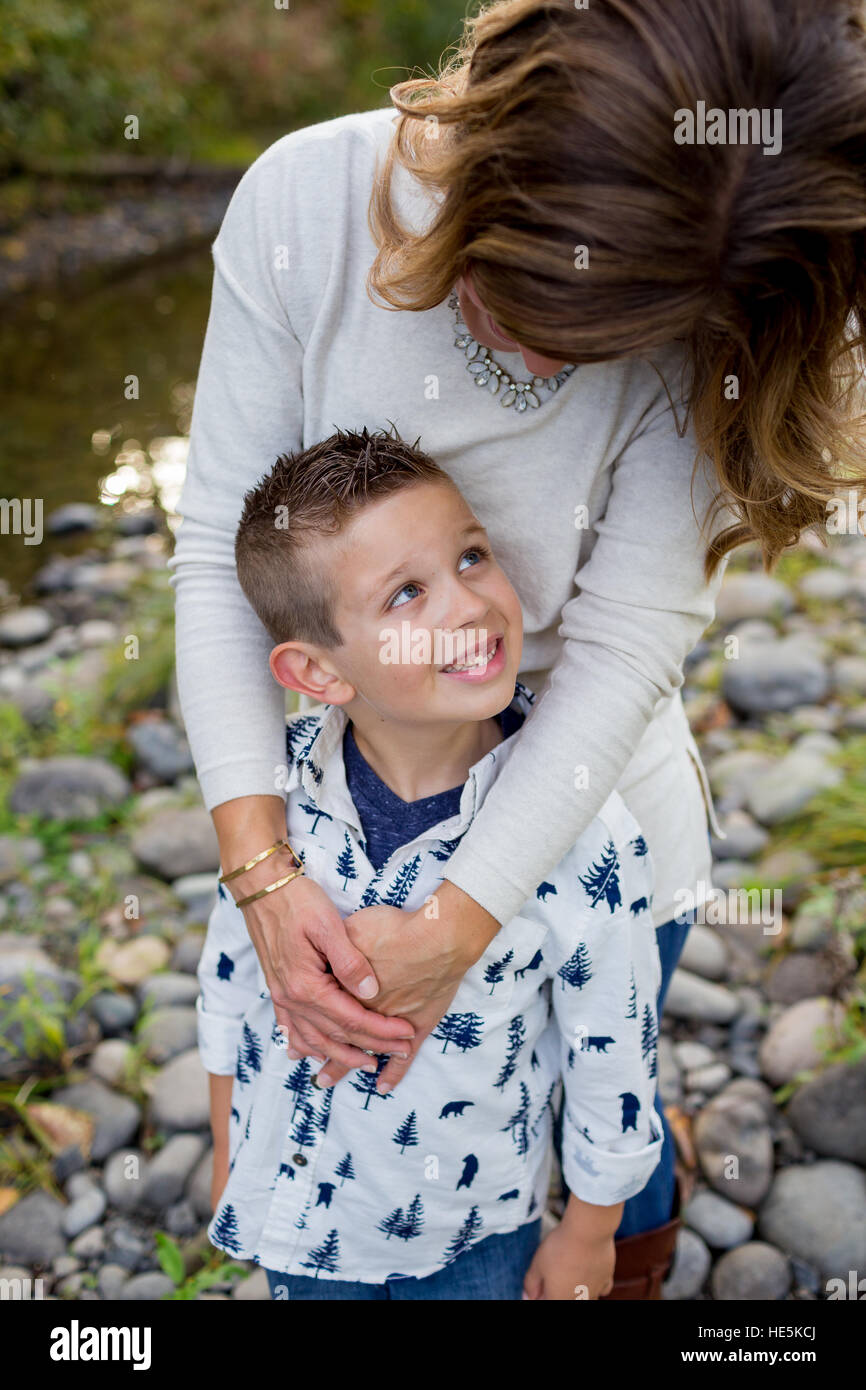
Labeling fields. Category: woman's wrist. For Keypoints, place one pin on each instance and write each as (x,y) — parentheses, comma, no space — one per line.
(245,826)
(473,927)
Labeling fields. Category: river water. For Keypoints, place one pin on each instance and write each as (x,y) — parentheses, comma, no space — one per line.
(68,431)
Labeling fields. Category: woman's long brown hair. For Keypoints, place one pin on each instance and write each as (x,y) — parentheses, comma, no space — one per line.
(552,128)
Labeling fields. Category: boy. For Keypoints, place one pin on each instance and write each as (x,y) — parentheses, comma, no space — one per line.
(364,561)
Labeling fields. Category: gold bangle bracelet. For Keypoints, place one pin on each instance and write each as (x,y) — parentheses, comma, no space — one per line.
(242,902)
(224,878)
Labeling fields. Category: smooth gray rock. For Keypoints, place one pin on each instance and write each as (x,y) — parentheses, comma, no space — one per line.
(180,1219)
(708,1080)
(690,1267)
(791,1044)
(90,1244)
(735,1147)
(145,1288)
(115,1013)
(21,627)
(826,584)
(169,1032)
(160,749)
(704,953)
(187,952)
(829,1113)
(17,854)
(87,1210)
(69,788)
(817,1212)
(198,1187)
(31,1232)
(124,1246)
(170,1170)
(117,1117)
(690,997)
(778,676)
(177,842)
(806,974)
(849,675)
(110,1060)
(180,1099)
(791,785)
(732,775)
(72,517)
(110,1280)
(744,838)
(722,1224)
(124,1178)
(752,595)
(168,989)
(690,1055)
(755,1272)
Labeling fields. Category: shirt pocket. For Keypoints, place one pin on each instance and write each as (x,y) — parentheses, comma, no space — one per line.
(515,954)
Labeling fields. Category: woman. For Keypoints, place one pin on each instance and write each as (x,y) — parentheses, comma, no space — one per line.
(649,359)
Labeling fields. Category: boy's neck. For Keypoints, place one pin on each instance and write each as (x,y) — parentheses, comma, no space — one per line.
(418,760)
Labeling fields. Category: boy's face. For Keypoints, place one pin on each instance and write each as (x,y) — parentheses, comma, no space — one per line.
(418,591)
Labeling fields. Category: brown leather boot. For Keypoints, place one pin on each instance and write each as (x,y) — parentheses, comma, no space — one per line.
(643,1260)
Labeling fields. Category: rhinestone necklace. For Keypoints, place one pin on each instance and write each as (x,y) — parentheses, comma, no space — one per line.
(487,371)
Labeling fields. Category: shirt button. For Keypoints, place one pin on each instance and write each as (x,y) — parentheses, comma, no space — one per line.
(300,1160)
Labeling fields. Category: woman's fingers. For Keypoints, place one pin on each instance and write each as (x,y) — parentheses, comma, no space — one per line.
(349,965)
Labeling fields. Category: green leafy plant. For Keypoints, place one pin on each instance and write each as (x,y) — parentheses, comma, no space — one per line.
(189,1286)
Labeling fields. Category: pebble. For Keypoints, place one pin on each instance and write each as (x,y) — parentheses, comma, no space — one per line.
(168,1032)
(752,595)
(124,1178)
(829,1112)
(690,997)
(170,1170)
(776,676)
(735,1147)
(31,1231)
(117,1117)
(690,1055)
(181,1219)
(804,974)
(90,1244)
(87,1210)
(110,1281)
(732,775)
(125,1247)
(160,749)
(708,1080)
(790,1045)
(110,1060)
(68,788)
(187,952)
(704,953)
(72,517)
(199,894)
(827,584)
(146,1288)
(813,925)
(17,854)
(790,785)
(755,1272)
(817,1212)
(178,842)
(722,1224)
(849,675)
(21,627)
(180,1099)
(689,1269)
(744,838)
(115,1013)
(169,989)
(130,962)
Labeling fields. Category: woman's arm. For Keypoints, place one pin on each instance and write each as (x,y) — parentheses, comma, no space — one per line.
(248,410)
(642,606)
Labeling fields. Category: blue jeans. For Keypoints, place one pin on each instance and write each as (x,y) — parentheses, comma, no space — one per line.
(653,1205)
(492,1269)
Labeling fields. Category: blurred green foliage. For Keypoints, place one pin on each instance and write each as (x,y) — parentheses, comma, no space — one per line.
(210,79)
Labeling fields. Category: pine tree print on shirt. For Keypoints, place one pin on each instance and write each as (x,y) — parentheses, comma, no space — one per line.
(298,1082)
(464,1237)
(464,1030)
(345,865)
(516,1039)
(316,812)
(495,972)
(577,970)
(226,1229)
(344,1170)
(252,1048)
(366,1084)
(602,879)
(407,1132)
(649,1039)
(402,885)
(405,1225)
(446,849)
(326,1256)
(519,1122)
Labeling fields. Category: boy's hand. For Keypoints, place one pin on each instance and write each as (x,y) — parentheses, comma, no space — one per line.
(564,1268)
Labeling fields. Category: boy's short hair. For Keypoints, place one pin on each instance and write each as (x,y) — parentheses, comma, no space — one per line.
(315,492)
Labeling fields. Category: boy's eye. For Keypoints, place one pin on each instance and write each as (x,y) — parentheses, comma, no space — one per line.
(479,551)
(405,589)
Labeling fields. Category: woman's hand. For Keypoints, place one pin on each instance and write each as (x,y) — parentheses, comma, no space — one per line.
(297,931)
(420,959)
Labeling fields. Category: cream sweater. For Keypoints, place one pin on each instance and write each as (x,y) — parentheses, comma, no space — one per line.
(294,348)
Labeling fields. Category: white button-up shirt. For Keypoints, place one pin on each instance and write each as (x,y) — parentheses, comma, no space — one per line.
(346,1184)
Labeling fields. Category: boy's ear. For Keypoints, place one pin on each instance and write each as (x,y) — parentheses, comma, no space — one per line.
(301,666)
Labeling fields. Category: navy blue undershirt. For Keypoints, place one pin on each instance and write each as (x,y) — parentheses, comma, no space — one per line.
(386,820)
